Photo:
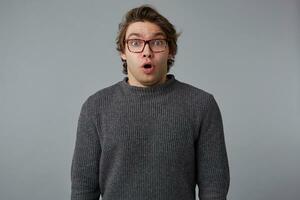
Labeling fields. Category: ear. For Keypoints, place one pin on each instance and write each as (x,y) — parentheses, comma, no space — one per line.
(170,56)
(123,56)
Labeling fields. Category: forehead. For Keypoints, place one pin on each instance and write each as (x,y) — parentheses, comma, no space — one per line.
(144,30)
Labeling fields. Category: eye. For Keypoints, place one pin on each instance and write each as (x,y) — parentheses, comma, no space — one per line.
(135,43)
(158,42)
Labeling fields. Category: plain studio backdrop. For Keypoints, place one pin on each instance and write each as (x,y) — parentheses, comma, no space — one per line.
(54,54)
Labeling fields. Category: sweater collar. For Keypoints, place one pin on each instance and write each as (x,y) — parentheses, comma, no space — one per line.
(154,90)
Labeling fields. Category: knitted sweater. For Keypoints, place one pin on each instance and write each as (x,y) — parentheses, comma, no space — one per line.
(154,143)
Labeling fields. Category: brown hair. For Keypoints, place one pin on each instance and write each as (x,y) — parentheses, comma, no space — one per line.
(149,14)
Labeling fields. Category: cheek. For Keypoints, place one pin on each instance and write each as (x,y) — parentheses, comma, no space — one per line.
(132,61)
(164,59)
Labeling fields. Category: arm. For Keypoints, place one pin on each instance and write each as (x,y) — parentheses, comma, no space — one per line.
(85,163)
(212,163)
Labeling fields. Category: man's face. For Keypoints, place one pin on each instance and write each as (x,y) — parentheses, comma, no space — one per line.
(140,74)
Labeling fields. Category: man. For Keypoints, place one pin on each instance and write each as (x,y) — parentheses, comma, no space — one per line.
(149,136)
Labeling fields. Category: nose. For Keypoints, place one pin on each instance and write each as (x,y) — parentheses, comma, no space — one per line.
(147,52)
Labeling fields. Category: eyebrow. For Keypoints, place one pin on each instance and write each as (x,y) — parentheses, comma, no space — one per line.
(139,35)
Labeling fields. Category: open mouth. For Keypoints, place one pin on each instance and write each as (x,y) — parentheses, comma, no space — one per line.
(147,66)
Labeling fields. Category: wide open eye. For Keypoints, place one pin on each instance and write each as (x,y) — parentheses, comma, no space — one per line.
(135,43)
(158,42)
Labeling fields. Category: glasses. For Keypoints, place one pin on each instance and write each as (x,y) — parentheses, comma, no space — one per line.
(138,45)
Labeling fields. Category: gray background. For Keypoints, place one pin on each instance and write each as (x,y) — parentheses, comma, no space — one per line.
(54,54)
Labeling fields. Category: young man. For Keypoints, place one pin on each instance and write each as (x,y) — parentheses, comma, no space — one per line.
(149,136)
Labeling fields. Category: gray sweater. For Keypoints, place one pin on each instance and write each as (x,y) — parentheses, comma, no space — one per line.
(156,143)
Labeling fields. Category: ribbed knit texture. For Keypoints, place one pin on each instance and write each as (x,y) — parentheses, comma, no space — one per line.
(155,143)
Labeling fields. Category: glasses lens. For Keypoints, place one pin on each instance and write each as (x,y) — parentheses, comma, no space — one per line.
(158,45)
(135,45)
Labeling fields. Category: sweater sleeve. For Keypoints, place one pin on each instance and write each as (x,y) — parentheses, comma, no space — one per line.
(85,162)
(212,162)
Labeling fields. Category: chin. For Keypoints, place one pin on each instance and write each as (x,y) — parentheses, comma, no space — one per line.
(153,81)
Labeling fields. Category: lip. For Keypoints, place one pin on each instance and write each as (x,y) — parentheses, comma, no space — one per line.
(148,70)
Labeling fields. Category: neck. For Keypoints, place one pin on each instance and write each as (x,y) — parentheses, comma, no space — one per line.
(133,82)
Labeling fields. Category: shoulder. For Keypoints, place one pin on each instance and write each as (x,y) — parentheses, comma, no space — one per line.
(197,98)
(193,93)
(101,98)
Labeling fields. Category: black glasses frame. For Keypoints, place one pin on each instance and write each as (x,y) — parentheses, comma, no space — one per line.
(145,42)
